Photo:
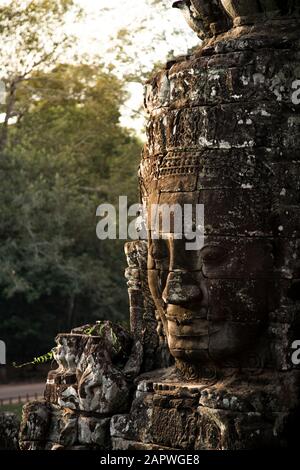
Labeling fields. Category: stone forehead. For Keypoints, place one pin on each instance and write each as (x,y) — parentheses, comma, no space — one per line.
(212,168)
(267,171)
(244,191)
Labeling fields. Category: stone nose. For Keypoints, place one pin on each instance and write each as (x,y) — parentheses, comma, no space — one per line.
(181,289)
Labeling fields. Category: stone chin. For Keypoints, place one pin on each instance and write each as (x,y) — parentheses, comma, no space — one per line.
(194,339)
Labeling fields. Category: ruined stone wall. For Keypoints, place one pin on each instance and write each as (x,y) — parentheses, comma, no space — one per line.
(97,367)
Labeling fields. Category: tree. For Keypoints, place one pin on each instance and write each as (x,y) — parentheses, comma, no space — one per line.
(60,147)
(32,38)
(65,155)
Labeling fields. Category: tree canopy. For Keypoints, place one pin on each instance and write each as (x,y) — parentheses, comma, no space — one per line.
(63,153)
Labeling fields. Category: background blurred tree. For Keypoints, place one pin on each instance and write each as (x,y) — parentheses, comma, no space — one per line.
(62,155)
(32,38)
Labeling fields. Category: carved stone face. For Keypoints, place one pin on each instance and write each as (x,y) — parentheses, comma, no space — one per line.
(213,302)
(210,142)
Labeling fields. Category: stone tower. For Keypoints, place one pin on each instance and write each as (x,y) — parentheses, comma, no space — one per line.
(224,132)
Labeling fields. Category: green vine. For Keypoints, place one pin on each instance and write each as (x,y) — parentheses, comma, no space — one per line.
(36,361)
(96,329)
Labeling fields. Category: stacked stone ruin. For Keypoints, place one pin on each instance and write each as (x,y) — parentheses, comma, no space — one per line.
(208,363)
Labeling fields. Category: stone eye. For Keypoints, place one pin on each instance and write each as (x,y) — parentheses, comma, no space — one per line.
(212,254)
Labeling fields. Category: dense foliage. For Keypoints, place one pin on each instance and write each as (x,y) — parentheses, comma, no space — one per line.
(63,153)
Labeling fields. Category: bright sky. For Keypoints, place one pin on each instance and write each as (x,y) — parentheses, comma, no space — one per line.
(106,17)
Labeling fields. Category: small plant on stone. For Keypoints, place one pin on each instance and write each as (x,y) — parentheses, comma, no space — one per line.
(36,361)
